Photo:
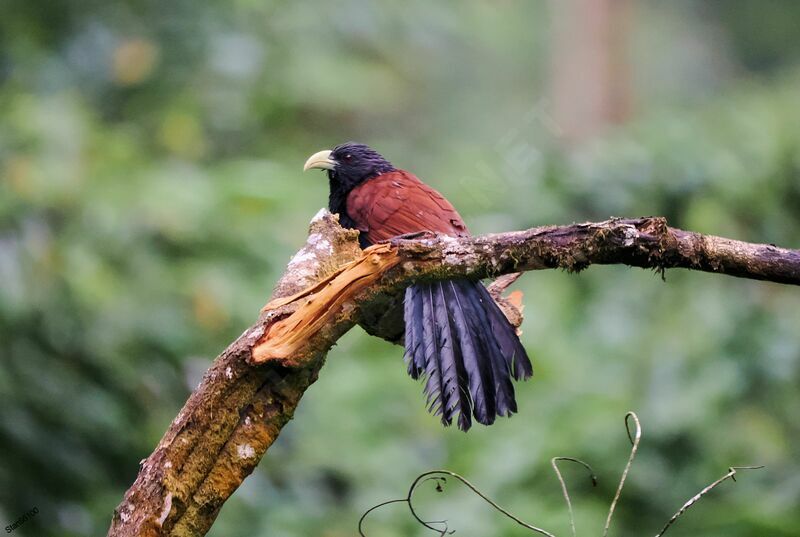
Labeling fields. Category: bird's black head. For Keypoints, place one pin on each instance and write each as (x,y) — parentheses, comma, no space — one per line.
(349,164)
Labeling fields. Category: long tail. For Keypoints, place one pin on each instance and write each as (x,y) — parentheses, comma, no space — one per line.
(459,340)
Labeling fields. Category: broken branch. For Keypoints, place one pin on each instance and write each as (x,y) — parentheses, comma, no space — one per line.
(238,410)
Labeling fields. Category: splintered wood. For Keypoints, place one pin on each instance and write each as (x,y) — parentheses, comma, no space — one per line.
(320,302)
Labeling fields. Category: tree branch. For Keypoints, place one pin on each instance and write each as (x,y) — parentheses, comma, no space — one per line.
(330,285)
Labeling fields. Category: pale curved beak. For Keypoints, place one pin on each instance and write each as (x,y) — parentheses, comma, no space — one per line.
(321,160)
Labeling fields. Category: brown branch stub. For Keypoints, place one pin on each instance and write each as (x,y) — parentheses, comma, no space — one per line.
(238,410)
(510,305)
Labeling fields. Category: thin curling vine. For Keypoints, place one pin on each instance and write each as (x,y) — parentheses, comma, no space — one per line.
(633,429)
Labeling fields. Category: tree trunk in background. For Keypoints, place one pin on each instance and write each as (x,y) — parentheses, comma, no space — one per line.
(590,78)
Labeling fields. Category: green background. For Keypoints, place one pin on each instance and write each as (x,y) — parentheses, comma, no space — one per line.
(151,195)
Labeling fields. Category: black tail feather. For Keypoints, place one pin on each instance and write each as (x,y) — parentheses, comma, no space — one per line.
(492,347)
(457,337)
(434,387)
(415,352)
(477,364)
(452,360)
(506,337)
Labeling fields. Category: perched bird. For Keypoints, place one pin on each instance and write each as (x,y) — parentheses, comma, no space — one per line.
(455,334)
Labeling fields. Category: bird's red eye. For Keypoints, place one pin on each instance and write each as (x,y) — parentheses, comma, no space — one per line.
(348,156)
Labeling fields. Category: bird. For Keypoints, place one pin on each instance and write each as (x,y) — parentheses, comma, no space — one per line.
(456,337)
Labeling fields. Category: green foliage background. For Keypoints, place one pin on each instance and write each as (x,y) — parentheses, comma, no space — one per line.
(151,194)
